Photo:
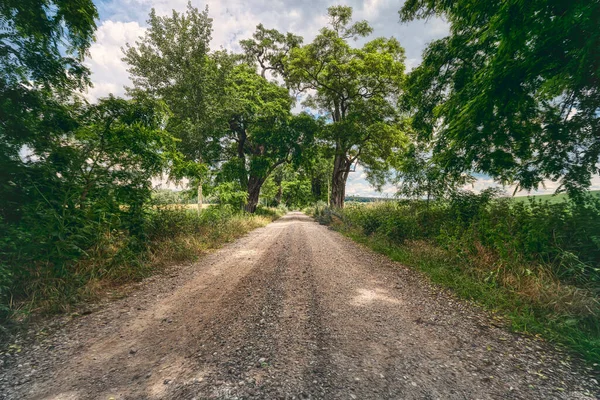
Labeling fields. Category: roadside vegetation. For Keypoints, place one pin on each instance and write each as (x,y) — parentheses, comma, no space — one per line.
(512,93)
(104,256)
(536,262)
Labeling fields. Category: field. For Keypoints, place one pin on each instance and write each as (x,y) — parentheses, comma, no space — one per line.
(551,198)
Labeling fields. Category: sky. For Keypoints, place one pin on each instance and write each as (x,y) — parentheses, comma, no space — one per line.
(124,22)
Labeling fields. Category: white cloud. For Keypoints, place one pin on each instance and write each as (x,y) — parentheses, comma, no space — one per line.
(109,73)
(123,22)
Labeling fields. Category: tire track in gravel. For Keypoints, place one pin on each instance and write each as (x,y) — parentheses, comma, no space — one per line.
(291,311)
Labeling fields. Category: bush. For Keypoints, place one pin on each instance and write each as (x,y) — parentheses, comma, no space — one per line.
(112,256)
(562,236)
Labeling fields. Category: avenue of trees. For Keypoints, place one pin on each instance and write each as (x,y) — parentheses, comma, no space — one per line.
(512,92)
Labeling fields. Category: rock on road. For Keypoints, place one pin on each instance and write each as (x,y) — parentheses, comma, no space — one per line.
(291,311)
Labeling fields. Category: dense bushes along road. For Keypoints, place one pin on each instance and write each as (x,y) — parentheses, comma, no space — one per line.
(537,262)
(108,254)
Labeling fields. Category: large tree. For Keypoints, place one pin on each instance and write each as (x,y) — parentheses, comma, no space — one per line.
(356,88)
(173,62)
(258,131)
(513,91)
(224,112)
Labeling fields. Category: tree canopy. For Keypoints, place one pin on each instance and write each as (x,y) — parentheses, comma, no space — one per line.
(259,131)
(172,62)
(225,113)
(355,88)
(513,91)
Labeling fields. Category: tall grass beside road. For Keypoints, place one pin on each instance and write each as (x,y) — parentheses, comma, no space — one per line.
(32,283)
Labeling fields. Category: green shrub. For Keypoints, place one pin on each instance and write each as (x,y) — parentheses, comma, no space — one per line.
(109,254)
(564,236)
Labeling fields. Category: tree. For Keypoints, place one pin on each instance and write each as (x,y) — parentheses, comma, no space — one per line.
(269,49)
(417,176)
(356,88)
(297,193)
(42,47)
(172,62)
(513,91)
(92,180)
(260,131)
(298,184)
(225,114)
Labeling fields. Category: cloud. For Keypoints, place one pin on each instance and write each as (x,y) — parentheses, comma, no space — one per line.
(109,73)
(123,21)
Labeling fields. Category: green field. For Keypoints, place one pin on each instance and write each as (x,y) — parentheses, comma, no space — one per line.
(552,198)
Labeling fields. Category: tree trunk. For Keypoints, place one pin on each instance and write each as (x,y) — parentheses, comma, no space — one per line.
(254,185)
(341,169)
(200,196)
(279,194)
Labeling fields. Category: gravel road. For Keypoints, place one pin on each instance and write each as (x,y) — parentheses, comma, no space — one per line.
(291,311)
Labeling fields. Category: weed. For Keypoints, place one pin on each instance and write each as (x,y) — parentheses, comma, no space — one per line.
(170,235)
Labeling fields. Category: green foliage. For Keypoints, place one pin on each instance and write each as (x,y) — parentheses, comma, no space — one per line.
(79,188)
(299,184)
(297,194)
(224,112)
(270,190)
(269,49)
(42,47)
(539,232)
(417,176)
(513,91)
(551,198)
(172,63)
(230,193)
(356,88)
(259,131)
(170,234)
(43,44)
(167,197)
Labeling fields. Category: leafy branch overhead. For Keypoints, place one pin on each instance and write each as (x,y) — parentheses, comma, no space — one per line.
(513,91)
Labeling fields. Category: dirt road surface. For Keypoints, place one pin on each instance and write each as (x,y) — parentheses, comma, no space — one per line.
(291,311)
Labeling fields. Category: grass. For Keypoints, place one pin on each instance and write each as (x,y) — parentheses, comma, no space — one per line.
(532,299)
(551,198)
(174,235)
(524,315)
